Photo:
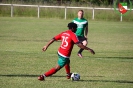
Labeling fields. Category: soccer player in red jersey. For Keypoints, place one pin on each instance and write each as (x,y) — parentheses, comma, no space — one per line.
(68,39)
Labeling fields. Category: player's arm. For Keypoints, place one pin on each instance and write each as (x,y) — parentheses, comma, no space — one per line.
(79,44)
(48,44)
(57,37)
(86,31)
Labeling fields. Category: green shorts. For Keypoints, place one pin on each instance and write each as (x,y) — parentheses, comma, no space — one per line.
(62,61)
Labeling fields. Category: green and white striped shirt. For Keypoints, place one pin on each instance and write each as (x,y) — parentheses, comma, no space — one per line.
(81,24)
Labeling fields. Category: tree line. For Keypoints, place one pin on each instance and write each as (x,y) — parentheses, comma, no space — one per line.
(66,2)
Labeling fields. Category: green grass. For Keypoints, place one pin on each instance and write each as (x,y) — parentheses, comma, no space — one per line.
(22,61)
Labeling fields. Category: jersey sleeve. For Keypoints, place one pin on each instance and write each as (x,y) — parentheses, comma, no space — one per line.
(73,20)
(87,23)
(58,37)
(75,38)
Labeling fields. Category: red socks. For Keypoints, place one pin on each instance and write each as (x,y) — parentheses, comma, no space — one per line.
(53,71)
(50,72)
(67,67)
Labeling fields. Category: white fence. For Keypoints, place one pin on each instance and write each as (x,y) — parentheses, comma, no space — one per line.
(64,7)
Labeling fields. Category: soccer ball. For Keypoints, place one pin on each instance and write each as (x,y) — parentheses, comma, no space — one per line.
(75,77)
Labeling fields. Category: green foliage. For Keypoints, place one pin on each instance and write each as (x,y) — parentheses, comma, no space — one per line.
(22,60)
(52,13)
(60,13)
(63,2)
(5,11)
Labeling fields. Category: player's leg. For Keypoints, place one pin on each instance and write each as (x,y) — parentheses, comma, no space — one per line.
(61,63)
(85,42)
(50,72)
(67,68)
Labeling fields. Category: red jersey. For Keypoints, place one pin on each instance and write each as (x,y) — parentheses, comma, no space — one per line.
(68,39)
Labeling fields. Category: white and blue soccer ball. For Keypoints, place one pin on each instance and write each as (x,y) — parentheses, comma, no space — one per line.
(75,77)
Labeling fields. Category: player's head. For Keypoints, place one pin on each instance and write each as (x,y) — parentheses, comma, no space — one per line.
(80,14)
(72,26)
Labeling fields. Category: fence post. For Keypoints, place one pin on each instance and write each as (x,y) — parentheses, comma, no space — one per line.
(11,10)
(38,11)
(65,12)
(93,13)
(121,17)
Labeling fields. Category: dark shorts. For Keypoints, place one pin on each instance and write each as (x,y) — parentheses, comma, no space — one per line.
(81,39)
(62,61)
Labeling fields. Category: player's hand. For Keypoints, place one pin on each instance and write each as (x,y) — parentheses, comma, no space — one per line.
(92,51)
(44,48)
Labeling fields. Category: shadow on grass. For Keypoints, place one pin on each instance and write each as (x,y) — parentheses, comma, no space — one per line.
(19,75)
(112,57)
(120,57)
(25,75)
(116,81)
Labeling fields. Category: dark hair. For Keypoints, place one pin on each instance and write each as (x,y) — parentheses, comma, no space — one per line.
(81,11)
(72,25)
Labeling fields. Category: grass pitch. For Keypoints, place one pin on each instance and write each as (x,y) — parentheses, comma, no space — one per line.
(22,61)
